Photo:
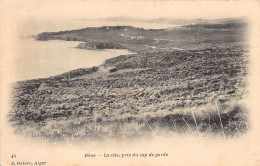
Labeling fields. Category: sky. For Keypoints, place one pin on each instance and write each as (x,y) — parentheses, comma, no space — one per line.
(54,14)
(90,9)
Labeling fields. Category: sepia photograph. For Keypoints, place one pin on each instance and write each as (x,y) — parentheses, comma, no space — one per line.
(186,78)
(88,82)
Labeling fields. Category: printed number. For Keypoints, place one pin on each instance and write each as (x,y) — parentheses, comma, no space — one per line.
(13,156)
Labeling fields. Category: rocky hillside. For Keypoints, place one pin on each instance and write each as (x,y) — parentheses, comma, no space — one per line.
(137,96)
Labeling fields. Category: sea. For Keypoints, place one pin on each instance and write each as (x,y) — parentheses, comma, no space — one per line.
(41,59)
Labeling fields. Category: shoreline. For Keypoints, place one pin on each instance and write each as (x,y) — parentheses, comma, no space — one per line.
(45,62)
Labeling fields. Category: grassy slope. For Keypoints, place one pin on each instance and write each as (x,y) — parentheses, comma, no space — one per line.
(141,94)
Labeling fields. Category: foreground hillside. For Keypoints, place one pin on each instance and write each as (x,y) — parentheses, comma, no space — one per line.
(195,91)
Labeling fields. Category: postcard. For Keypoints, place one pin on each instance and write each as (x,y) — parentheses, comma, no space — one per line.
(90,83)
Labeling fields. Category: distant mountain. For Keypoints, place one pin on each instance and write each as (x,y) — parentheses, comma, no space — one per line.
(203,33)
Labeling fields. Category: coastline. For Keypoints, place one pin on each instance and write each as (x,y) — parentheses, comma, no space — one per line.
(157,90)
(42,59)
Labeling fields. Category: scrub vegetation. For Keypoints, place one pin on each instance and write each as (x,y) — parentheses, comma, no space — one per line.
(189,79)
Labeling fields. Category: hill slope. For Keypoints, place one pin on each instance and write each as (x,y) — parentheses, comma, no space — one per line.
(153,92)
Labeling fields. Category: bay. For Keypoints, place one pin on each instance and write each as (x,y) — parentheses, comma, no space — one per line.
(40,59)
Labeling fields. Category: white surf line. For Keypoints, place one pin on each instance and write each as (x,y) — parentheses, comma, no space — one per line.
(132,37)
(164,39)
(156,41)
